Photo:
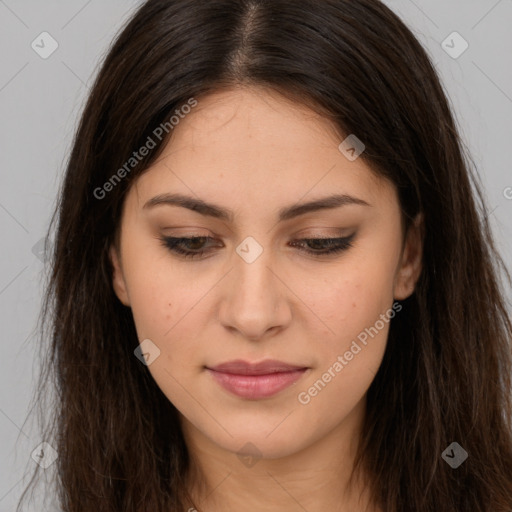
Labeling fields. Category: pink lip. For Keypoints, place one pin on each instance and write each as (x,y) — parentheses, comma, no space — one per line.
(256,381)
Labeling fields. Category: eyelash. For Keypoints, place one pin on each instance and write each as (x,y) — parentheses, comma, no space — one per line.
(337,245)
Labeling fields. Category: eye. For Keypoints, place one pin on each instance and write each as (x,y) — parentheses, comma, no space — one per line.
(324,246)
(194,247)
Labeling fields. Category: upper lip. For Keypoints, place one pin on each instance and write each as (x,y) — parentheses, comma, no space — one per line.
(240,367)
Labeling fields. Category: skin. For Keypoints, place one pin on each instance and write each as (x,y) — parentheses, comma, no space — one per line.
(254,152)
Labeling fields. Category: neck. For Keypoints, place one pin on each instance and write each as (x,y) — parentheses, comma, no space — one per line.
(317,477)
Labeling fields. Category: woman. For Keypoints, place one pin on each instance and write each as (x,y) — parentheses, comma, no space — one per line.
(274,286)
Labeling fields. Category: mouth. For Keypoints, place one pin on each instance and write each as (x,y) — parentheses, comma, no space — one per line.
(255,381)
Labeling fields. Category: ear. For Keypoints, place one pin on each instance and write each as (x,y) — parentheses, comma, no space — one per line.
(410,266)
(118,281)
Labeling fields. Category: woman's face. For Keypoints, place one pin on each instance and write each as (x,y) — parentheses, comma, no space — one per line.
(261,292)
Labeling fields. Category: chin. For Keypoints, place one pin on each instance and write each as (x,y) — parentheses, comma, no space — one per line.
(262,442)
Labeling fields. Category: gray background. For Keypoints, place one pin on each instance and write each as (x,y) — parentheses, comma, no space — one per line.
(41,99)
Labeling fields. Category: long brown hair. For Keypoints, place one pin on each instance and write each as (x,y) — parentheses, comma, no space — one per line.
(447,369)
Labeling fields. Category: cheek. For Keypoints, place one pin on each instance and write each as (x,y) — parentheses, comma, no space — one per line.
(153,304)
(163,306)
(357,304)
(349,357)
(353,298)
(167,307)
(160,295)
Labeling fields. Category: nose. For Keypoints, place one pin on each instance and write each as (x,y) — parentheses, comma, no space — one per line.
(255,301)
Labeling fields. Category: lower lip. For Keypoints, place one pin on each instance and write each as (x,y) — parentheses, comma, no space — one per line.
(255,387)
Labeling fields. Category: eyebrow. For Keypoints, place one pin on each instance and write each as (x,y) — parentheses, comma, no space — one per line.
(289,212)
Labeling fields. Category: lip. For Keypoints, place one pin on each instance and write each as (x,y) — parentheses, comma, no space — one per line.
(255,381)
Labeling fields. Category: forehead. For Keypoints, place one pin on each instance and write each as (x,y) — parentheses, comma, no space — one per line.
(255,143)
(255,118)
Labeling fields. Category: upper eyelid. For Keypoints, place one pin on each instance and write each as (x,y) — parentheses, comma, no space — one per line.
(340,239)
(323,232)
(211,240)
(304,237)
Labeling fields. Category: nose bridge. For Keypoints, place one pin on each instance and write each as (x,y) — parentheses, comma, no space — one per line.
(255,300)
(253,280)
(252,261)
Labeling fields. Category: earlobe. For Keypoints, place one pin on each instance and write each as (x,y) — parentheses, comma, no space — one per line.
(118,281)
(411,263)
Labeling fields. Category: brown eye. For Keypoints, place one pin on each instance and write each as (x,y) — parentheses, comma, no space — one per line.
(324,246)
(194,247)
(191,247)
